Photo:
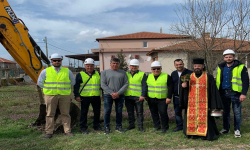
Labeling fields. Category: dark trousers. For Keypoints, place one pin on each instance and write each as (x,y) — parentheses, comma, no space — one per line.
(234,98)
(159,106)
(108,102)
(133,105)
(178,114)
(95,101)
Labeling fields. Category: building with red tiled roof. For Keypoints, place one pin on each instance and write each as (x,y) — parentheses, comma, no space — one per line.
(135,45)
(7,64)
(187,50)
(144,35)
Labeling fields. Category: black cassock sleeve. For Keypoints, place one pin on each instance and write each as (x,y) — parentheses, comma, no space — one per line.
(215,101)
(183,96)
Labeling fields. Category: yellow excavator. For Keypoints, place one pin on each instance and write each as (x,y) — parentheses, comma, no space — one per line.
(15,38)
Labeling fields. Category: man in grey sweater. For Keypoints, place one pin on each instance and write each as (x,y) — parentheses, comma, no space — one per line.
(114,83)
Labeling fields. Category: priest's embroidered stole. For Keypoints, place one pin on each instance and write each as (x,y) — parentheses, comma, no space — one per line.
(197,112)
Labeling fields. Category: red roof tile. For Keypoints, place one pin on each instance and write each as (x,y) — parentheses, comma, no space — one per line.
(2,60)
(220,44)
(144,35)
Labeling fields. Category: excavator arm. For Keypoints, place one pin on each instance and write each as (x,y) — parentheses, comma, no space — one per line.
(18,42)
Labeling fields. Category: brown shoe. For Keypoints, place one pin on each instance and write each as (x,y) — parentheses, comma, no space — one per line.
(48,136)
(69,134)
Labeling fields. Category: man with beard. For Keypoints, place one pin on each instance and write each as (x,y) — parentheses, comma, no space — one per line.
(233,82)
(198,97)
(180,71)
(56,82)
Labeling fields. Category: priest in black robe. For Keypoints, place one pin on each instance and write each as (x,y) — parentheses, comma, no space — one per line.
(198,97)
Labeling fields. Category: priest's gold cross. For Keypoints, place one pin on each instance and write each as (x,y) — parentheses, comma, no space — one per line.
(198,85)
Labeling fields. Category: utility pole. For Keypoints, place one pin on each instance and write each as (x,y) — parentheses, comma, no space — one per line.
(45,40)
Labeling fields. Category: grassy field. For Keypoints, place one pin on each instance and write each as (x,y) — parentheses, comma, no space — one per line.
(19,106)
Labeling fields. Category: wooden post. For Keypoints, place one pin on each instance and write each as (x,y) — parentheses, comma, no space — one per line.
(7,77)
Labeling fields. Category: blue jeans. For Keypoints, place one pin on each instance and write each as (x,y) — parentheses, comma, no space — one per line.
(234,98)
(108,102)
(178,113)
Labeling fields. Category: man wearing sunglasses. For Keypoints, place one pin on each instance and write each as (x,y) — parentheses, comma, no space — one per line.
(160,87)
(56,82)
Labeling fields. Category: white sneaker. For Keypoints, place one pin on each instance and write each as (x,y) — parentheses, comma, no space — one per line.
(224,131)
(237,134)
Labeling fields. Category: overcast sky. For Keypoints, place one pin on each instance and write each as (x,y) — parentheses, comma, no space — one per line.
(73,25)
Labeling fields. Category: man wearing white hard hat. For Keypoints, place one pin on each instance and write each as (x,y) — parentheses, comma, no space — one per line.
(56,82)
(135,94)
(232,81)
(160,88)
(87,90)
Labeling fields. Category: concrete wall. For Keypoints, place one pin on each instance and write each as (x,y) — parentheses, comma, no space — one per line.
(152,43)
(144,64)
(167,60)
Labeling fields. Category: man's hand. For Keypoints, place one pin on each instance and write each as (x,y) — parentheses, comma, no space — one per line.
(168,101)
(141,98)
(78,99)
(115,95)
(184,84)
(242,97)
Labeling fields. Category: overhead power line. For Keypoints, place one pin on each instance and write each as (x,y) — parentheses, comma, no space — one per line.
(60,48)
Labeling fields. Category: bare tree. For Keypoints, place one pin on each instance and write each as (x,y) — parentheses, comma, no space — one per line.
(214,25)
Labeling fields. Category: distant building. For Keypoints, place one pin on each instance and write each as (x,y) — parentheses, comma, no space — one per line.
(135,45)
(7,64)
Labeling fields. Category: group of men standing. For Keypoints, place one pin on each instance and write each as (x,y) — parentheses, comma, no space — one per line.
(198,96)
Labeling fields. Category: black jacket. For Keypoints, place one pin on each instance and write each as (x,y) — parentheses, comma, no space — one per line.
(177,81)
(244,76)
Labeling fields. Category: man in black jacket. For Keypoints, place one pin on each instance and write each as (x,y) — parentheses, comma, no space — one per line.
(232,81)
(180,71)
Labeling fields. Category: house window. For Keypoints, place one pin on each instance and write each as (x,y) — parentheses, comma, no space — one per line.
(145,44)
(6,66)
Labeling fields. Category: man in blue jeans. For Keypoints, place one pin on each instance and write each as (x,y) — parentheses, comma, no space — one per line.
(232,81)
(114,83)
(180,71)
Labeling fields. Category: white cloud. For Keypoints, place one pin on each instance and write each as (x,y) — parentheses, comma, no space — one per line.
(83,7)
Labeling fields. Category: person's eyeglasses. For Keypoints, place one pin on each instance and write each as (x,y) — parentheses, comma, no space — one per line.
(156,69)
(56,60)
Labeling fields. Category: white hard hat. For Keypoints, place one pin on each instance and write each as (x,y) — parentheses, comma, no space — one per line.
(156,64)
(228,51)
(56,55)
(134,62)
(89,61)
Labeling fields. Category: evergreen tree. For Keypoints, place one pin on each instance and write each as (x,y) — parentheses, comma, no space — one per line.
(123,63)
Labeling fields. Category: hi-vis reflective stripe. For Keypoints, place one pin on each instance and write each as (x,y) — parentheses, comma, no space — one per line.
(135,85)
(134,89)
(236,78)
(91,85)
(161,87)
(57,88)
(237,83)
(91,90)
(158,91)
(64,83)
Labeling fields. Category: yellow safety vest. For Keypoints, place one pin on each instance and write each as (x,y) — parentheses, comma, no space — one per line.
(158,89)
(93,87)
(135,86)
(236,78)
(57,83)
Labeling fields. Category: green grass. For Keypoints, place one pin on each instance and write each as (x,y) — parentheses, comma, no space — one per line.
(19,107)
